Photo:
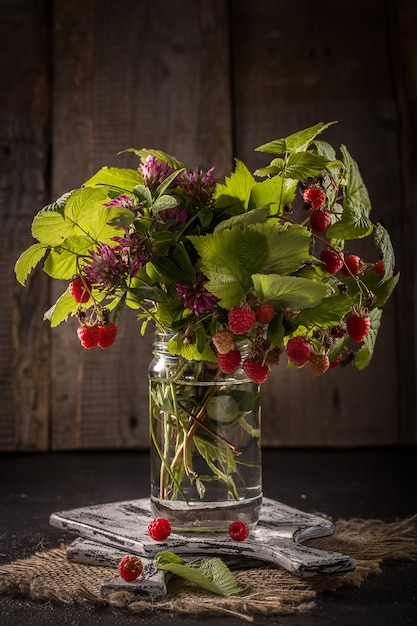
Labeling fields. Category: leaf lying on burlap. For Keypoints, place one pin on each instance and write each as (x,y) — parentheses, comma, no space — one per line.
(210,574)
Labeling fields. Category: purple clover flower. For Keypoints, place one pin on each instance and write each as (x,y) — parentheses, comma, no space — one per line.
(154,171)
(136,248)
(123,200)
(177,213)
(106,267)
(198,186)
(196,296)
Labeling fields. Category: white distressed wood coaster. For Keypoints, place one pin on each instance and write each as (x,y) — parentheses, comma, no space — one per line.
(277,538)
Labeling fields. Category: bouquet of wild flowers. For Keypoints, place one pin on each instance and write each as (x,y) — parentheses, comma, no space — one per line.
(268,257)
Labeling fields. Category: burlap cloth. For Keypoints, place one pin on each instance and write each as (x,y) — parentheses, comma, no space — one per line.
(50,576)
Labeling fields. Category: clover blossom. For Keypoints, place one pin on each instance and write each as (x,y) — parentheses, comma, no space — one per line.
(106,268)
(196,296)
(123,200)
(199,187)
(136,249)
(177,213)
(154,171)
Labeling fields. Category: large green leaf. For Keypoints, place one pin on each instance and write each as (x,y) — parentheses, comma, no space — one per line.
(255,216)
(28,260)
(365,353)
(299,165)
(383,243)
(330,311)
(289,291)
(119,178)
(354,224)
(211,574)
(275,192)
(229,257)
(297,142)
(235,193)
(356,193)
(288,247)
(191,351)
(86,211)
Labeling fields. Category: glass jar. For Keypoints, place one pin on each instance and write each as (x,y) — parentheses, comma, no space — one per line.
(205,430)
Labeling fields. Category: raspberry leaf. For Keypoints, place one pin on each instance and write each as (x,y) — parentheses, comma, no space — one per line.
(356,193)
(211,574)
(354,224)
(296,142)
(289,291)
(235,193)
(28,260)
(365,353)
(288,247)
(122,179)
(274,192)
(383,243)
(330,310)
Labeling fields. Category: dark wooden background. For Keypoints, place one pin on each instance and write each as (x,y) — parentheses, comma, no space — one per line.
(205,80)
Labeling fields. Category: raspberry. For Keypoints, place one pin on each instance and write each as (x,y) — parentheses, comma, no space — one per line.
(223,341)
(335,362)
(228,362)
(80,289)
(332,261)
(255,370)
(130,567)
(354,264)
(298,351)
(320,220)
(314,197)
(241,320)
(379,268)
(88,336)
(264,313)
(238,531)
(159,529)
(319,363)
(107,335)
(358,326)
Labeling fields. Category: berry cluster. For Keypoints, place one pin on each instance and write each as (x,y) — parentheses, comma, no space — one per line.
(252,319)
(99,332)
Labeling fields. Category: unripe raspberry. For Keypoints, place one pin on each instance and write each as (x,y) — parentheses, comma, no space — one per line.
(319,363)
(332,261)
(298,351)
(223,341)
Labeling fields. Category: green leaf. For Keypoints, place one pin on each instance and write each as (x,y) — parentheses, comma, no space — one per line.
(382,290)
(330,310)
(297,142)
(289,291)
(28,260)
(364,355)
(59,204)
(287,247)
(211,574)
(62,309)
(276,330)
(119,178)
(383,243)
(255,216)
(62,262)
(191,351)
(354,224)
(164,202)
(222,408)
(356,193)
(275,192)
(235,193)
(300,165)
(229,257)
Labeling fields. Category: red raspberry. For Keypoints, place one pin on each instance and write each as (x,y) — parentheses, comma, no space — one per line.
(335,361)
(223,341)
(358,326)
(379,268)
(264,313)
(239,531)
(159,529)
(332,261)
(314,197)
(319,363)
(298,351)
(320,220)
(241,320)
(228,362)
(88,336)
(354,264)
(80,289)
(107,335)
(130,567)
(255,370)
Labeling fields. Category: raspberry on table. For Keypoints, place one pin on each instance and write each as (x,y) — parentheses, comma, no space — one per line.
(88,336)
(255,370)
(130,567)
(107,335)
(239,531)
(354,264)
(298,350)
(320,220)
(229,362)
(332,261)
(264,313)
(319,363)
(223,341)
(358,326)
(314,197)
(241,320)
(159,529)
(80,289)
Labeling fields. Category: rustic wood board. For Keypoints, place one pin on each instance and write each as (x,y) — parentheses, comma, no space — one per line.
(277,538)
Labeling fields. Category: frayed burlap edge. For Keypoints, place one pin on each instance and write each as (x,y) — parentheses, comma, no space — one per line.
(50,576)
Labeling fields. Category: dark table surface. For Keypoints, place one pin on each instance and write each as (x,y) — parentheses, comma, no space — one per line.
(368,483)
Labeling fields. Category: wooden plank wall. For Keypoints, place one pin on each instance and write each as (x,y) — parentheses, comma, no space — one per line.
(205,80)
